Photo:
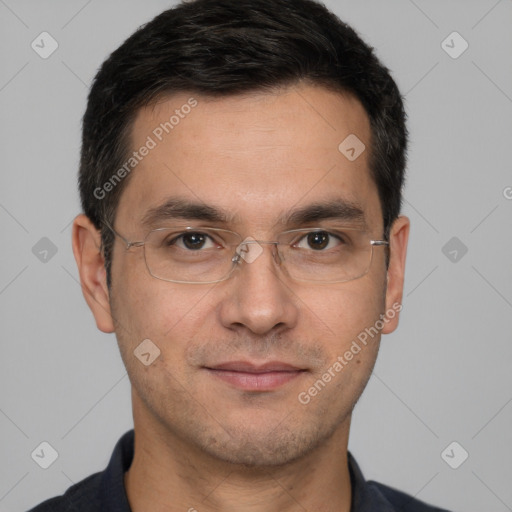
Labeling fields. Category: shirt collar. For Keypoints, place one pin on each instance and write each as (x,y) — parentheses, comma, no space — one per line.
(365,498)
(112,492)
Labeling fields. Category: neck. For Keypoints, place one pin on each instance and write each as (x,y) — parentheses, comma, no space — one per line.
(168,474)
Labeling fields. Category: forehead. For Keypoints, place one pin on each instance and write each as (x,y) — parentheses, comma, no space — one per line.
(256,156)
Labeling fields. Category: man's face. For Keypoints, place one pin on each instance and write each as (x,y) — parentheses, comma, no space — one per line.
(255,159)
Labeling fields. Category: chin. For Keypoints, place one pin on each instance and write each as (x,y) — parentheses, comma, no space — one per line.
(274,447)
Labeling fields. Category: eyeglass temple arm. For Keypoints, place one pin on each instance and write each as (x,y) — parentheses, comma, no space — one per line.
(125,240)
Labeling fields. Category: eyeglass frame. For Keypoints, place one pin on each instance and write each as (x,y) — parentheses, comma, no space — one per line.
(236,259)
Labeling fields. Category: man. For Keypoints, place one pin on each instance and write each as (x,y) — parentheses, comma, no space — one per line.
(241,176)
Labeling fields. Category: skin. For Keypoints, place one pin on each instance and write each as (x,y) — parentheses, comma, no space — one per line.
(202,443)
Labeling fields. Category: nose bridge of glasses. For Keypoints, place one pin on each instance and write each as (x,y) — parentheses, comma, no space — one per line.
(260,242)
(244,251)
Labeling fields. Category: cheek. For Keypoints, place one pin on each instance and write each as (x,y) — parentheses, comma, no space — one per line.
(167,313)
(345,310)
(346,316)
(169,316)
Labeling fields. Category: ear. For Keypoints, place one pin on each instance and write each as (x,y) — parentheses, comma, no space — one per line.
(86,240)
(398,239)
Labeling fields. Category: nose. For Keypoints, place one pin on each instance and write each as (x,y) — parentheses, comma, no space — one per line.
(258,296)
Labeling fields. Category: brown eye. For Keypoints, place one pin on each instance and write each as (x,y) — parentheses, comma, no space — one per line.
(318,240)
(194,241)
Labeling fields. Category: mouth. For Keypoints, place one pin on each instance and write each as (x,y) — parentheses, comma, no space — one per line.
(253,377)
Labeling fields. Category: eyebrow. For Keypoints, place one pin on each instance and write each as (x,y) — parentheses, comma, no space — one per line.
(177,208)
(334,209)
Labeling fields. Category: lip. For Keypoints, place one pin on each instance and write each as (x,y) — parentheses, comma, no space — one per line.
(248,367)
(255,377)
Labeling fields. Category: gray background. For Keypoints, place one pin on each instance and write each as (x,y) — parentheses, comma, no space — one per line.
(444,376)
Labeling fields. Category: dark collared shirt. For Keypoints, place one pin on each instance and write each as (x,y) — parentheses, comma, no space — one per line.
(105,491)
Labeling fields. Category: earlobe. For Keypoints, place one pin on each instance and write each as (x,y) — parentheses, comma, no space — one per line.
(86,241)
(398,239)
